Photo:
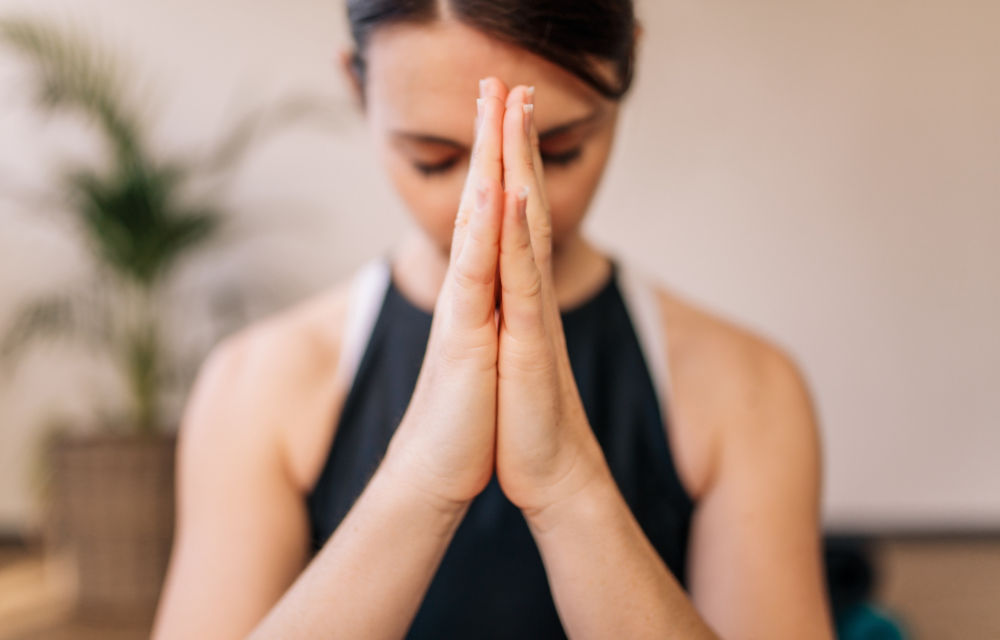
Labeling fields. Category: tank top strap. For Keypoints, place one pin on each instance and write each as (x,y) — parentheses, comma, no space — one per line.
(638,291)
(368,288)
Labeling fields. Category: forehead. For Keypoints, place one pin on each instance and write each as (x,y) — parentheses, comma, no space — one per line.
(423,75)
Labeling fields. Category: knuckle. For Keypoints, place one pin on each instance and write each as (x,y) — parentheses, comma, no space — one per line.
(459,349)
(467,277)
(542,230)
(462,219)
(529,285)
(526,357)
(517,245)
(533,287)
(541,239)
(453,353)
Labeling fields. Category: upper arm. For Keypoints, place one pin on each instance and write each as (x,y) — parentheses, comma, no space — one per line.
(241,534)
(755,562)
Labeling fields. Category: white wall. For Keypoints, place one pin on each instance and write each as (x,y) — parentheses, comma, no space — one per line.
(826,173)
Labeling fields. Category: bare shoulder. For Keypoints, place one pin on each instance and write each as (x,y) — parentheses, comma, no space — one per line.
(275,381)
(743,365)
(731,386)
(295,340)
(260,398)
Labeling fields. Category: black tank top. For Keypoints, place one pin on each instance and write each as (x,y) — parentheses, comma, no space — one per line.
(491,582)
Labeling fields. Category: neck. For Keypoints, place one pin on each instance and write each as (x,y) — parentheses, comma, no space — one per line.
(419,266)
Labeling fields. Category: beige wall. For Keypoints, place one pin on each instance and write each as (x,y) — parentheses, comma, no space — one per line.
(825,173)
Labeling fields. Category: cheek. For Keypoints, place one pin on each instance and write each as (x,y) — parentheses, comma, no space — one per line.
(570,191)
(433,202)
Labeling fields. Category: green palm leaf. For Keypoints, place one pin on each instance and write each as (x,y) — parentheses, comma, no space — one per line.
(133,213)
(74,74)
(134,221)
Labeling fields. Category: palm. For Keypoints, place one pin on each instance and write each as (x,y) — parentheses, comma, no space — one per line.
(545,448)
(445,441)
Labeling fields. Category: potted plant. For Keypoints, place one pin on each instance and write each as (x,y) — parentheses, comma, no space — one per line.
(110,495)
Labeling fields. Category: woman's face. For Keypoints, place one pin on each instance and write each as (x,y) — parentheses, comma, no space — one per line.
(422,85)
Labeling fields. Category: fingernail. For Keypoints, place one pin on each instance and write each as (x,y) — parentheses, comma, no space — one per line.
(529,95)
(482,88)
(479,111)
(529,112)
(522,201)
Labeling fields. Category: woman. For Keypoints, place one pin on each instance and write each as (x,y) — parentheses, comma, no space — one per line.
(484,434)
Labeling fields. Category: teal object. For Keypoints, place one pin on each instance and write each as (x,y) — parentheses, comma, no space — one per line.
(865,621)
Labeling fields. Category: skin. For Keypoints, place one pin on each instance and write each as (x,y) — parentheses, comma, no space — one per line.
(495,392)
(430,95)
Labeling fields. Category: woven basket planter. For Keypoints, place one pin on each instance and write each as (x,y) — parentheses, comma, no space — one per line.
(112,508)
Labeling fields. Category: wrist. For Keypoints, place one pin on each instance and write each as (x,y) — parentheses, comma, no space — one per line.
(394,473)
(586,503)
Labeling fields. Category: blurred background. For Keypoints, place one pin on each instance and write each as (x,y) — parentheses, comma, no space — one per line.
(827,174)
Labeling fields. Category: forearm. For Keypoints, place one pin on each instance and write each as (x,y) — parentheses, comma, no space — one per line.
(606,578)
(369,578)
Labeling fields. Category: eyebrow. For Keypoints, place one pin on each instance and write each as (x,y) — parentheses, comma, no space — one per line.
(548,133)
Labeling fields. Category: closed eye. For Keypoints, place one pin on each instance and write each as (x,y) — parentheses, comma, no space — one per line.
(562,158)
(439,167)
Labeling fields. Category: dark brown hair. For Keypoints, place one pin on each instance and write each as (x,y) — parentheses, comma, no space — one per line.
(570,33)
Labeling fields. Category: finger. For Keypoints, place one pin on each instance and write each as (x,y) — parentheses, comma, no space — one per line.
(536,154)
(521,143)
(471,278)
(521,300)
(520,164)
(486,156)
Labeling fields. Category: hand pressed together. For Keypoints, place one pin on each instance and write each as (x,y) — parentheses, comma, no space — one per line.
(496,391)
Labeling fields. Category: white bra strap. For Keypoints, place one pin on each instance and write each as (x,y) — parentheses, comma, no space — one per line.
(640,297)
(372,280)
(367,293)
